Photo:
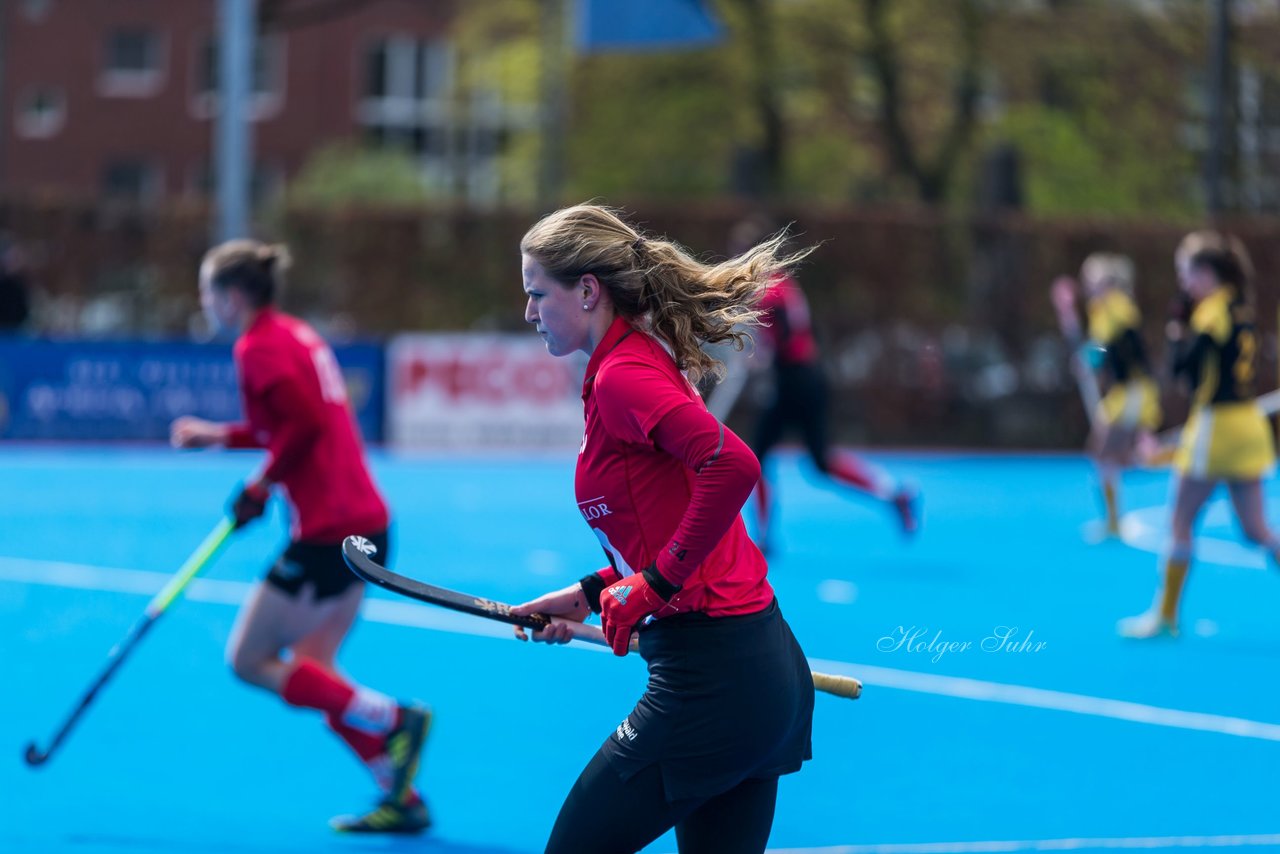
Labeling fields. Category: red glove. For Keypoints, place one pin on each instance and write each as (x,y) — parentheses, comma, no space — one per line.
(625,603)
(250,503)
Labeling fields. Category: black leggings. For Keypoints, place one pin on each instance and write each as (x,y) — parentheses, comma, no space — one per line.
(604,815)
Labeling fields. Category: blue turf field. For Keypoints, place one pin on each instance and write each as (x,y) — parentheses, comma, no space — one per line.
(1089,743)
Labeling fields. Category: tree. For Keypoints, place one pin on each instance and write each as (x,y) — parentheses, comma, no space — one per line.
(346,174)
(932,176)
(879,101)
(759,164)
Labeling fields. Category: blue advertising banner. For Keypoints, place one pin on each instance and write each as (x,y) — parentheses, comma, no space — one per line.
(107,390)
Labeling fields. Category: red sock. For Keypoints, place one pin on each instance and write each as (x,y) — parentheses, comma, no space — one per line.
(366,745)
(851,471)
(311,686)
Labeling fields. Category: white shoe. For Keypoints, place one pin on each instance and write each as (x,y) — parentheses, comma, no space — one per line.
(1146,626)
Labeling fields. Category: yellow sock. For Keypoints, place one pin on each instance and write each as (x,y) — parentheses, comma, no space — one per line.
(1175,576)
(1113,508)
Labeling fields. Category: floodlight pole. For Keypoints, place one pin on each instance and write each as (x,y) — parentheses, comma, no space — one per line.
(233,140)
(557,19)
(1219,116)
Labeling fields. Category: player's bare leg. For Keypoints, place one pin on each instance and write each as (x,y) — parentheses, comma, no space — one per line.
(387,736)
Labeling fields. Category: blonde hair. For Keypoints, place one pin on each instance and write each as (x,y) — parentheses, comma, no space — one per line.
(256,268)
(1209,240)
(679,299)
(1107,268)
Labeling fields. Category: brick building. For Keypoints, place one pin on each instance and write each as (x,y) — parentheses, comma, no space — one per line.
(118,99)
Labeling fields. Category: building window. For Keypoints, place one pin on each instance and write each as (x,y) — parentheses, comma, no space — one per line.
(408,69)
(41,113)
(404,99)
(134,63)
(132,181)
(408,100)
(265,184)
(267,84)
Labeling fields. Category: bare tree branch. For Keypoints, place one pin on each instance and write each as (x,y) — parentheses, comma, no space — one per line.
(932,179)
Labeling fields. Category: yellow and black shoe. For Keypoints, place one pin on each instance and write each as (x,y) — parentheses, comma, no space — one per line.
(404,750)
(389,816)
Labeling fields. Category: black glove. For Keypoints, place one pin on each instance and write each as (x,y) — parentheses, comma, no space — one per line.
(250,503)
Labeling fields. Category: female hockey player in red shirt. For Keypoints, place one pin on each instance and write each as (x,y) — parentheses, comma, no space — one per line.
(295,406)
(661,483)
(798,399)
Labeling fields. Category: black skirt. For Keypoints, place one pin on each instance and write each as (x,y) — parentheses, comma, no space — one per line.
(729,699)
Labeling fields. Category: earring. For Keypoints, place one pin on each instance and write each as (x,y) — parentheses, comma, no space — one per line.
(586,307)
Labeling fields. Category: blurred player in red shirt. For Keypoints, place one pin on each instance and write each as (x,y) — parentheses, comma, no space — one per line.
(661,483)
(786,343)
(295,406)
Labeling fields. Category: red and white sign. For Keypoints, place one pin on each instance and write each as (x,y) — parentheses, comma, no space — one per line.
(481,391)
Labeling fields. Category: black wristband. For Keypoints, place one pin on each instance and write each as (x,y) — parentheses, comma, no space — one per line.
(659,583)
(592,585)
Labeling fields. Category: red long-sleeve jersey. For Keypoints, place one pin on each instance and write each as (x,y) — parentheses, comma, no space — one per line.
(788,326)
(660,480)
(295,406)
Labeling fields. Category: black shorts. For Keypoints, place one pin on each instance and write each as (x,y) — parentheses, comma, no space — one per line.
(800,403)
(729,699)
(319,564)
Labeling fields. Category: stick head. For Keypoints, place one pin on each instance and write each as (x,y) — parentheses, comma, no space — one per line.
(364,546)
(34,755)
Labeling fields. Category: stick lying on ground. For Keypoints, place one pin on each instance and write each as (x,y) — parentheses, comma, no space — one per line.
(356,552)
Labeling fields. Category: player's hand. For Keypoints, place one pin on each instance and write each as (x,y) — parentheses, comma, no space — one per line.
(191,432)
(625,603)
(569,603)
(1062,293)
(1149,452)
(250,502)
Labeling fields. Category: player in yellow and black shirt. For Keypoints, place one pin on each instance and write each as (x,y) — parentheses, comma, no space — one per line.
(1131,407)
(1227,437)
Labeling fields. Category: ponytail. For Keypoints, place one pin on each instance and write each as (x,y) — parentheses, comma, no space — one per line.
(658,284)
(255,268)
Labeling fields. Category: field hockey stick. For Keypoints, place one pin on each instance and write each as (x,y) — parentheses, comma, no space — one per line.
(159,603)
(1087,384)
(1063,296)
(1269,403)
(358,552)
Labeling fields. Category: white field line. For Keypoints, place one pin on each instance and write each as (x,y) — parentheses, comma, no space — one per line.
(403,613)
